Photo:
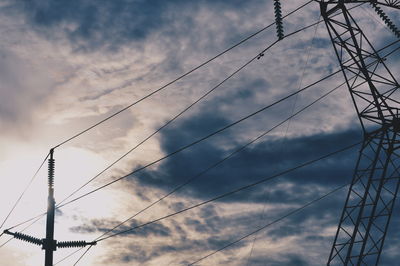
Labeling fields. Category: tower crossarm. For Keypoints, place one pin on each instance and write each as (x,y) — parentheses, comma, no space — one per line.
(375,90)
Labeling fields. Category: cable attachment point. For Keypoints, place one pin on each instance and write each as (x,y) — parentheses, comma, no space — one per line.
(51,169)
(24,237)
(278,19)
(74,244)
(385,19)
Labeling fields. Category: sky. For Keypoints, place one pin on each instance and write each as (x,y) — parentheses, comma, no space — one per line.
(65,65)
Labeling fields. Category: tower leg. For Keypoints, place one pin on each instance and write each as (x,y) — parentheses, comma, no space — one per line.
(365,218)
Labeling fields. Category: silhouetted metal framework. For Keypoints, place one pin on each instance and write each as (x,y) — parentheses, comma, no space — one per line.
(375,93)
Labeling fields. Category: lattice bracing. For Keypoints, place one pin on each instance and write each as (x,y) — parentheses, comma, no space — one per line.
(375,93)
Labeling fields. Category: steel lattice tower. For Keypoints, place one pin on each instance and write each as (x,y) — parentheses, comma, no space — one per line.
(375,93)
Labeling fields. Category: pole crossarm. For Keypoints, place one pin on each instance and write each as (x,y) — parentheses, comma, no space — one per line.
(375,94)
(41,242)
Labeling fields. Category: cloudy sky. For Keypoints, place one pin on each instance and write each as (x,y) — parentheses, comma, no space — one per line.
(65,65)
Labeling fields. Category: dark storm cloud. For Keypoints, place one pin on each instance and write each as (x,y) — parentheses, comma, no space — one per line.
(112,23)
(264,159)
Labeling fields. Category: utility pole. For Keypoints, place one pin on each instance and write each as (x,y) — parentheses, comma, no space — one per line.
(375,92)
(49,244)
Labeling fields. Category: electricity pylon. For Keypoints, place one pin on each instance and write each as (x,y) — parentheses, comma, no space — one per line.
(375,93)
(49,244)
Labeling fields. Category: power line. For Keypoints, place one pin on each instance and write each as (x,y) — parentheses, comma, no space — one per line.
(271,223)
(175,80)
(263,180)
